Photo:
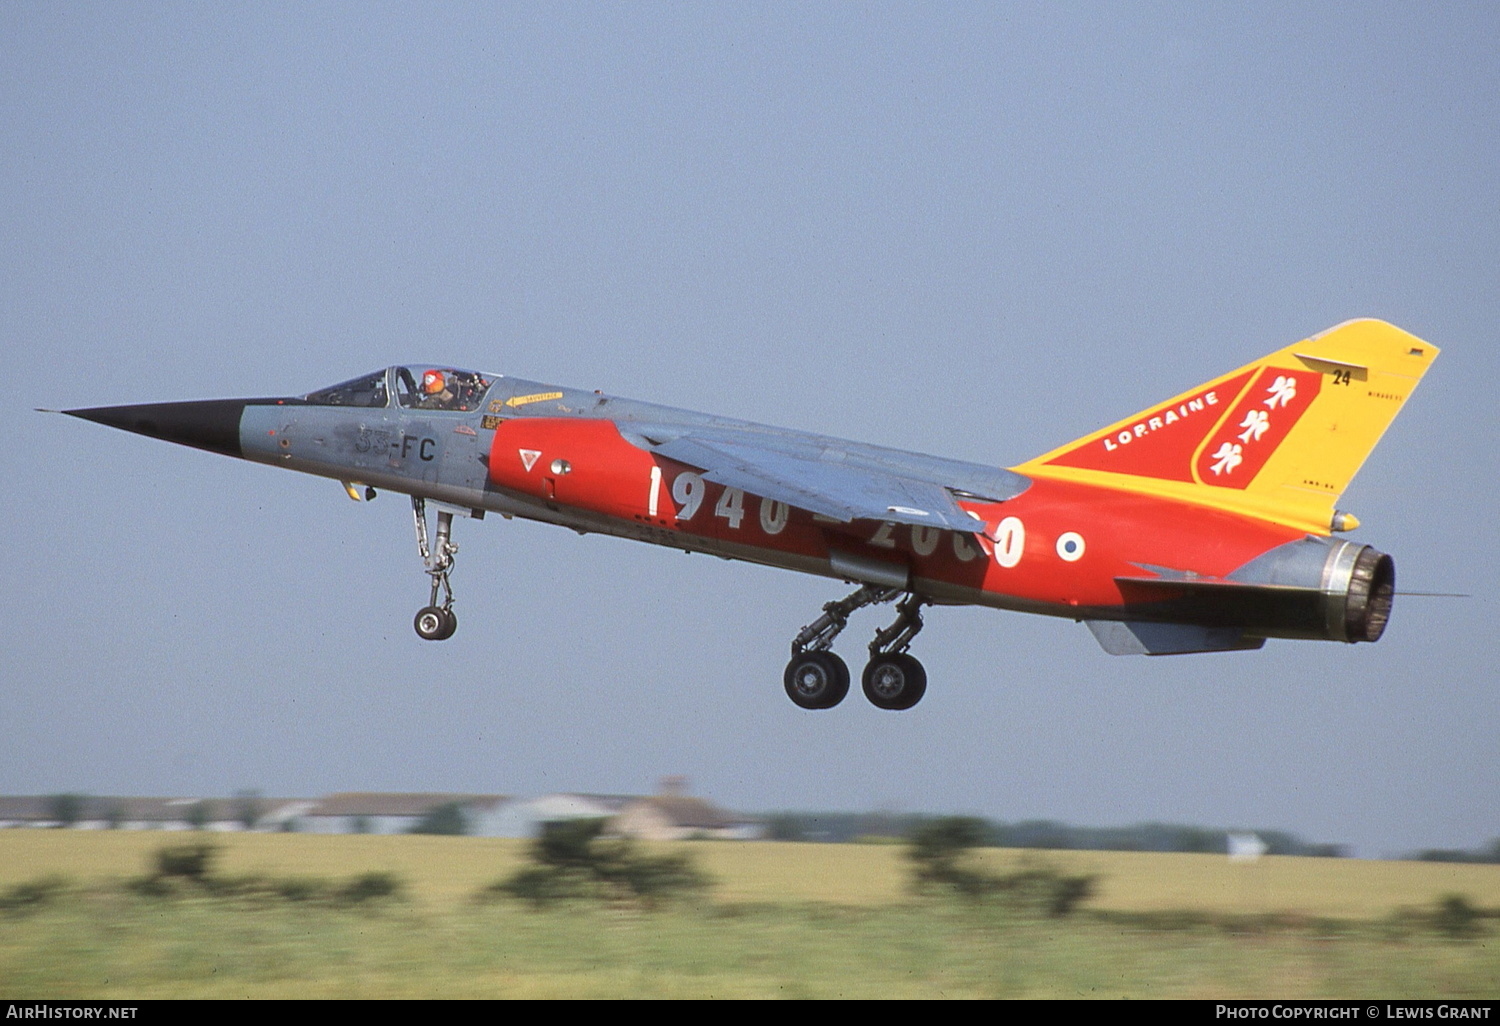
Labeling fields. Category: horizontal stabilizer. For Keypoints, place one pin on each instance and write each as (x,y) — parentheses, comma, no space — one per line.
(1135,637)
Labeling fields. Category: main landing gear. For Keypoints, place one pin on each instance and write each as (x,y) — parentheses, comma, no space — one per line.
(818,679)
(436,622)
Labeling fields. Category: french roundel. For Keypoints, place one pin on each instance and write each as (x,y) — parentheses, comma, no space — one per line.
(1070,546)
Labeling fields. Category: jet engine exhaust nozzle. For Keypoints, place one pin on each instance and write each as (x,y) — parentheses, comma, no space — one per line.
(1367,602)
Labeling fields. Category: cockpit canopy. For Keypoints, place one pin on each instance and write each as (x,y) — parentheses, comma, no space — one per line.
(418,387)
(369,390)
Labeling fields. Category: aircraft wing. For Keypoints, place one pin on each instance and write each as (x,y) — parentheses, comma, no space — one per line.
(831,489)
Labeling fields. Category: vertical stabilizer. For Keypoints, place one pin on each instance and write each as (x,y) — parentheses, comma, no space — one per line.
(1280,438)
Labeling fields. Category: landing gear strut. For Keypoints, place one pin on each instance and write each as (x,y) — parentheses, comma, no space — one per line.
(892,678)
(818,679)
(436,622)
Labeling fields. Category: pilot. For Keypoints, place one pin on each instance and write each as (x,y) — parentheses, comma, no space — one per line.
(435,392)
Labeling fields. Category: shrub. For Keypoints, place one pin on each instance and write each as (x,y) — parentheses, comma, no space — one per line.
(568,844)
(941,855)
(939,852)
(302,888)
(188,868)
(571,860)
(150,886)
(198,815)
(32,895)
(1456,917)
(540,885)
(652,880)
(370,887)
(186,861)
(1044,889)
(67,809)
(248,809)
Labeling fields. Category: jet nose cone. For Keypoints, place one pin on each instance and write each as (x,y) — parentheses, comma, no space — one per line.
(212,424)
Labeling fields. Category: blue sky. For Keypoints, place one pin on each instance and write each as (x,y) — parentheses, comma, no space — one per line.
(971,230)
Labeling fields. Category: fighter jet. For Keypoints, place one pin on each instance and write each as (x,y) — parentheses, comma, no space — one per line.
(1205,523)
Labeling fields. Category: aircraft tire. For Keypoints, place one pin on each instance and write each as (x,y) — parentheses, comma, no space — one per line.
(434,623)
(816,680)
(895,681)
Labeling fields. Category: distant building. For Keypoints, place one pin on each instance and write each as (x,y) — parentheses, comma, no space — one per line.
(674,815)
(363,812)
(26,811)
(134,813)
(525,818)
(1246,847)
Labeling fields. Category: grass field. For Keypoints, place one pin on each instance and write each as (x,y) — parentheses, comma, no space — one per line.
(443,871)
(793,920)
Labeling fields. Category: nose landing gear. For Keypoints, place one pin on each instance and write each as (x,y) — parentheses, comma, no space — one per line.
(817,679)
(436,622)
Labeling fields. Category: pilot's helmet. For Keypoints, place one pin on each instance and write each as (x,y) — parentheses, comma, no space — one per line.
(432,382)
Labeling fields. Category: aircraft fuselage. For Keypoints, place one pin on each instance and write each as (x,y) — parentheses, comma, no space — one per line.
(1204,523)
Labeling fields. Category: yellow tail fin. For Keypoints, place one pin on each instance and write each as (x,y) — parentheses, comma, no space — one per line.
(1280,438)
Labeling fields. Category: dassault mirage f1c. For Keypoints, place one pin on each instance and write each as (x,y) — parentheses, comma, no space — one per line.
(1205,523)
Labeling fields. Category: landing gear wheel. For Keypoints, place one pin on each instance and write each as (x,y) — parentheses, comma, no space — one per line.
(816,680)
(434,623)
(894,681)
